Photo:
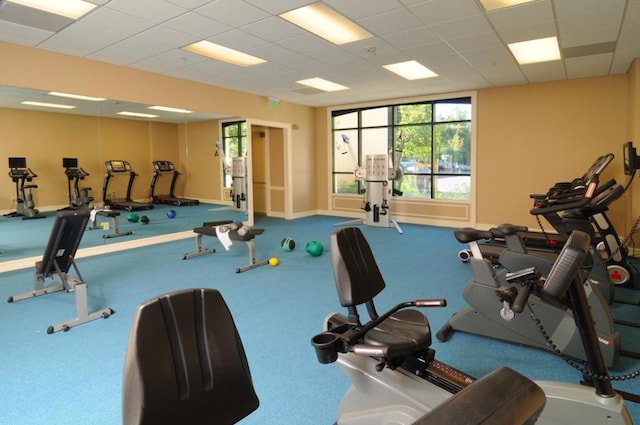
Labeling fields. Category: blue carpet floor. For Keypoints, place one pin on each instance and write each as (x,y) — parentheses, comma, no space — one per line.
(75,377)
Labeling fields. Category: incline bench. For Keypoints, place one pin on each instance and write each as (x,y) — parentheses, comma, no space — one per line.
(56,261)
(228,231)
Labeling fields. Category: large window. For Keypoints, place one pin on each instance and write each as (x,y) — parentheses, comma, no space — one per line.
(234,143)
(431,138)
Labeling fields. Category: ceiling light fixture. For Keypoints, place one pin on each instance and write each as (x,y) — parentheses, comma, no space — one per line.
(70,8)
(221,53)
(76,96)
(47,105)
(326,23)
(411,70)
(499,4)
(322,84)
(534,51)
(169,109)
(137,114)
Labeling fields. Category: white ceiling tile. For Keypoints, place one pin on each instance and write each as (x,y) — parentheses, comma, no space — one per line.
(523,15)
(232,12)
(457,39)
(529,32)
(150,10)
(484,41)
(390,22)
(590,37)
(546,71)
(358,9)
(306,43)
(198,25)
(20,34)
(586,23)
(437,11)
(412,38)
(473,25)
(81,40)
(278,7)
(588,66)
(168,37)
(188,4)
(129,51)
(239,40)
(273,29)
(105,18)
(567,8)
(173,59)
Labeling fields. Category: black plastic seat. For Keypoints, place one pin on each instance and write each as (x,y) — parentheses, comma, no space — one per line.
(358,280)
(185,363)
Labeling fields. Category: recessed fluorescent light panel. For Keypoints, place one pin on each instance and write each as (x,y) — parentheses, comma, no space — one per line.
(169,109)
(499,4)
(534,51)
(411,70)
(76,96)
(221,53)
(47,105)
(137,114)
(321,84)
(72,9)
(326,23)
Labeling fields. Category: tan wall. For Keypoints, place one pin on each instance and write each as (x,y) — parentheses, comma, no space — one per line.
(530,137)
(201,169)
(203,176)
(44,138)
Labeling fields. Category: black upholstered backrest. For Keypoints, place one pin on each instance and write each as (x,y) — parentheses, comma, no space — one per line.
(358,278)
(185,363)
(66,234)
(566,267)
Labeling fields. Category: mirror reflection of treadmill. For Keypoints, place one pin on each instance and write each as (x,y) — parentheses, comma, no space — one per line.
(166,167)
(121,168)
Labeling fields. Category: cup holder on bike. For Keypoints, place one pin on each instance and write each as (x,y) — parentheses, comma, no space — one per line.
(326,345)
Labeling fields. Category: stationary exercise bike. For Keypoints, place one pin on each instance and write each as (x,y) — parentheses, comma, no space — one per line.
(393,371)
(489,314)
(20,174)
(78,196)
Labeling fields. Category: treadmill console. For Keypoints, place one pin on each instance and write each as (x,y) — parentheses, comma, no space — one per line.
(118,166)
(163,166)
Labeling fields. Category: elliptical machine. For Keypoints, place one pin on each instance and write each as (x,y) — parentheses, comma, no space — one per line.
(20,174)
(393,371)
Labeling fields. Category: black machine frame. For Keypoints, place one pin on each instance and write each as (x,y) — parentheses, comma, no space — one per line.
(167,167)
(121,167)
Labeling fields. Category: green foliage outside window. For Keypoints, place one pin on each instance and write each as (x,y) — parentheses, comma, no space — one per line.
(436,159)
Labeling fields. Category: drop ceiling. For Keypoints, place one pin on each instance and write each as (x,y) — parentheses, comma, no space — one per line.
(457,39)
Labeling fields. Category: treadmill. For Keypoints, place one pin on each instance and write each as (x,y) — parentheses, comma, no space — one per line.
(166,167)
(121,168)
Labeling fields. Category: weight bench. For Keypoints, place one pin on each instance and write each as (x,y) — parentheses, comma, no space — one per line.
(227,232)
(113,215)
(58,258)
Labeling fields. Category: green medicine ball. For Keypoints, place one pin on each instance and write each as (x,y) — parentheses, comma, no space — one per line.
(133,217)
(288,244)
(314,248)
